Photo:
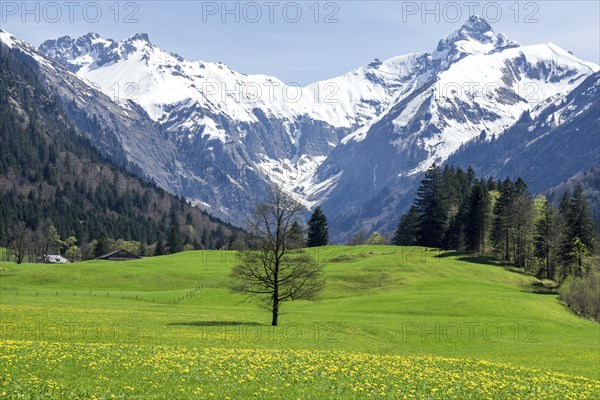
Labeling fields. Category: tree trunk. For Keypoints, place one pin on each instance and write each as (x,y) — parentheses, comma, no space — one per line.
(549,268)
(275,310)
(275,294)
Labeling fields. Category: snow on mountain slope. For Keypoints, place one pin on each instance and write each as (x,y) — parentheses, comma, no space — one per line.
(469,96)
(254,117)
(13,42)
(127,136)
(489,92)
(549,147)
(161,79)
(341,142)
(484,83)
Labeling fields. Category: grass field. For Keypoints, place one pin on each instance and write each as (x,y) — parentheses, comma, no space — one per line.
(392,322)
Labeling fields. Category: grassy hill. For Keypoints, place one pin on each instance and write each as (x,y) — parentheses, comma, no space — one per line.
(402,302)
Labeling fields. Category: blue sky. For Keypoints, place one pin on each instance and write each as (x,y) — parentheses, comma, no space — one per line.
(304,41)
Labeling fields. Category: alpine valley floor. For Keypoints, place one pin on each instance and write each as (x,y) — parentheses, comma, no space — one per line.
(395,322)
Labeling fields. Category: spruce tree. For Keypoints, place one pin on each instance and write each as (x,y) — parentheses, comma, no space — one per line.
(298,240)
(476,220)
(159,250)
(521,218)
(545,238)
(471,176)
(142,249)
(455,235)
(502,223)
(406,231)
(565,244)
(102,246)
(174,240)
(578,229)
(318,233)
(432,208)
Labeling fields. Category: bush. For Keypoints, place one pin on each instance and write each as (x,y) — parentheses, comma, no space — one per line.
(582,295)
(377,238)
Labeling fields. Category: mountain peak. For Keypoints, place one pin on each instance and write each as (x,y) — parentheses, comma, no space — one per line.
(475,36)
(475,29)
(476,26)
(91,35)
(139,36)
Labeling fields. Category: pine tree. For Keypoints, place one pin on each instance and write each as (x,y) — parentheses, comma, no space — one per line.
(298,240)
(406,231)
(318,233)
(159,250)
(455,235)
(471,176)
(578,229)
(521,220)
(565,244)
(502,224)
(102,246)
(54,240)
(142,249)
(491,184)
(174,240)
(545,238)
(521,187)
(432,208)
(476,219)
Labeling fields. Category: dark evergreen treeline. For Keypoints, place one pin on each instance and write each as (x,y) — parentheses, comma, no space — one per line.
(52,178)
(590,180)
(318,233)
(456,210)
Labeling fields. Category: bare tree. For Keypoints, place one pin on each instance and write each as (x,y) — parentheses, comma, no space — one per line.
(21,242)
(359,238)
(276,269)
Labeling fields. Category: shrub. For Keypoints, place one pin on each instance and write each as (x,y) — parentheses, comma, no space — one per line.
(582,295)
(377,238)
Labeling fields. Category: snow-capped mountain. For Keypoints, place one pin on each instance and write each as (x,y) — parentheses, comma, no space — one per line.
(477,95)
(160,80)
(228,125)
(354,144)
(559,142)
(125,135)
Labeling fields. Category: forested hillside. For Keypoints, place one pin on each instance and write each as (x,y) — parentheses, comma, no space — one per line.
(590,180)
(53,181)
(456,210)
(500,218)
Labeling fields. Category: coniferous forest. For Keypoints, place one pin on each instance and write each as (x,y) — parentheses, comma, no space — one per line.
(59,195)
(456,210)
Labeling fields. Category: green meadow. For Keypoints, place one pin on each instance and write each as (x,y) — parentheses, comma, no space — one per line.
(397,322)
